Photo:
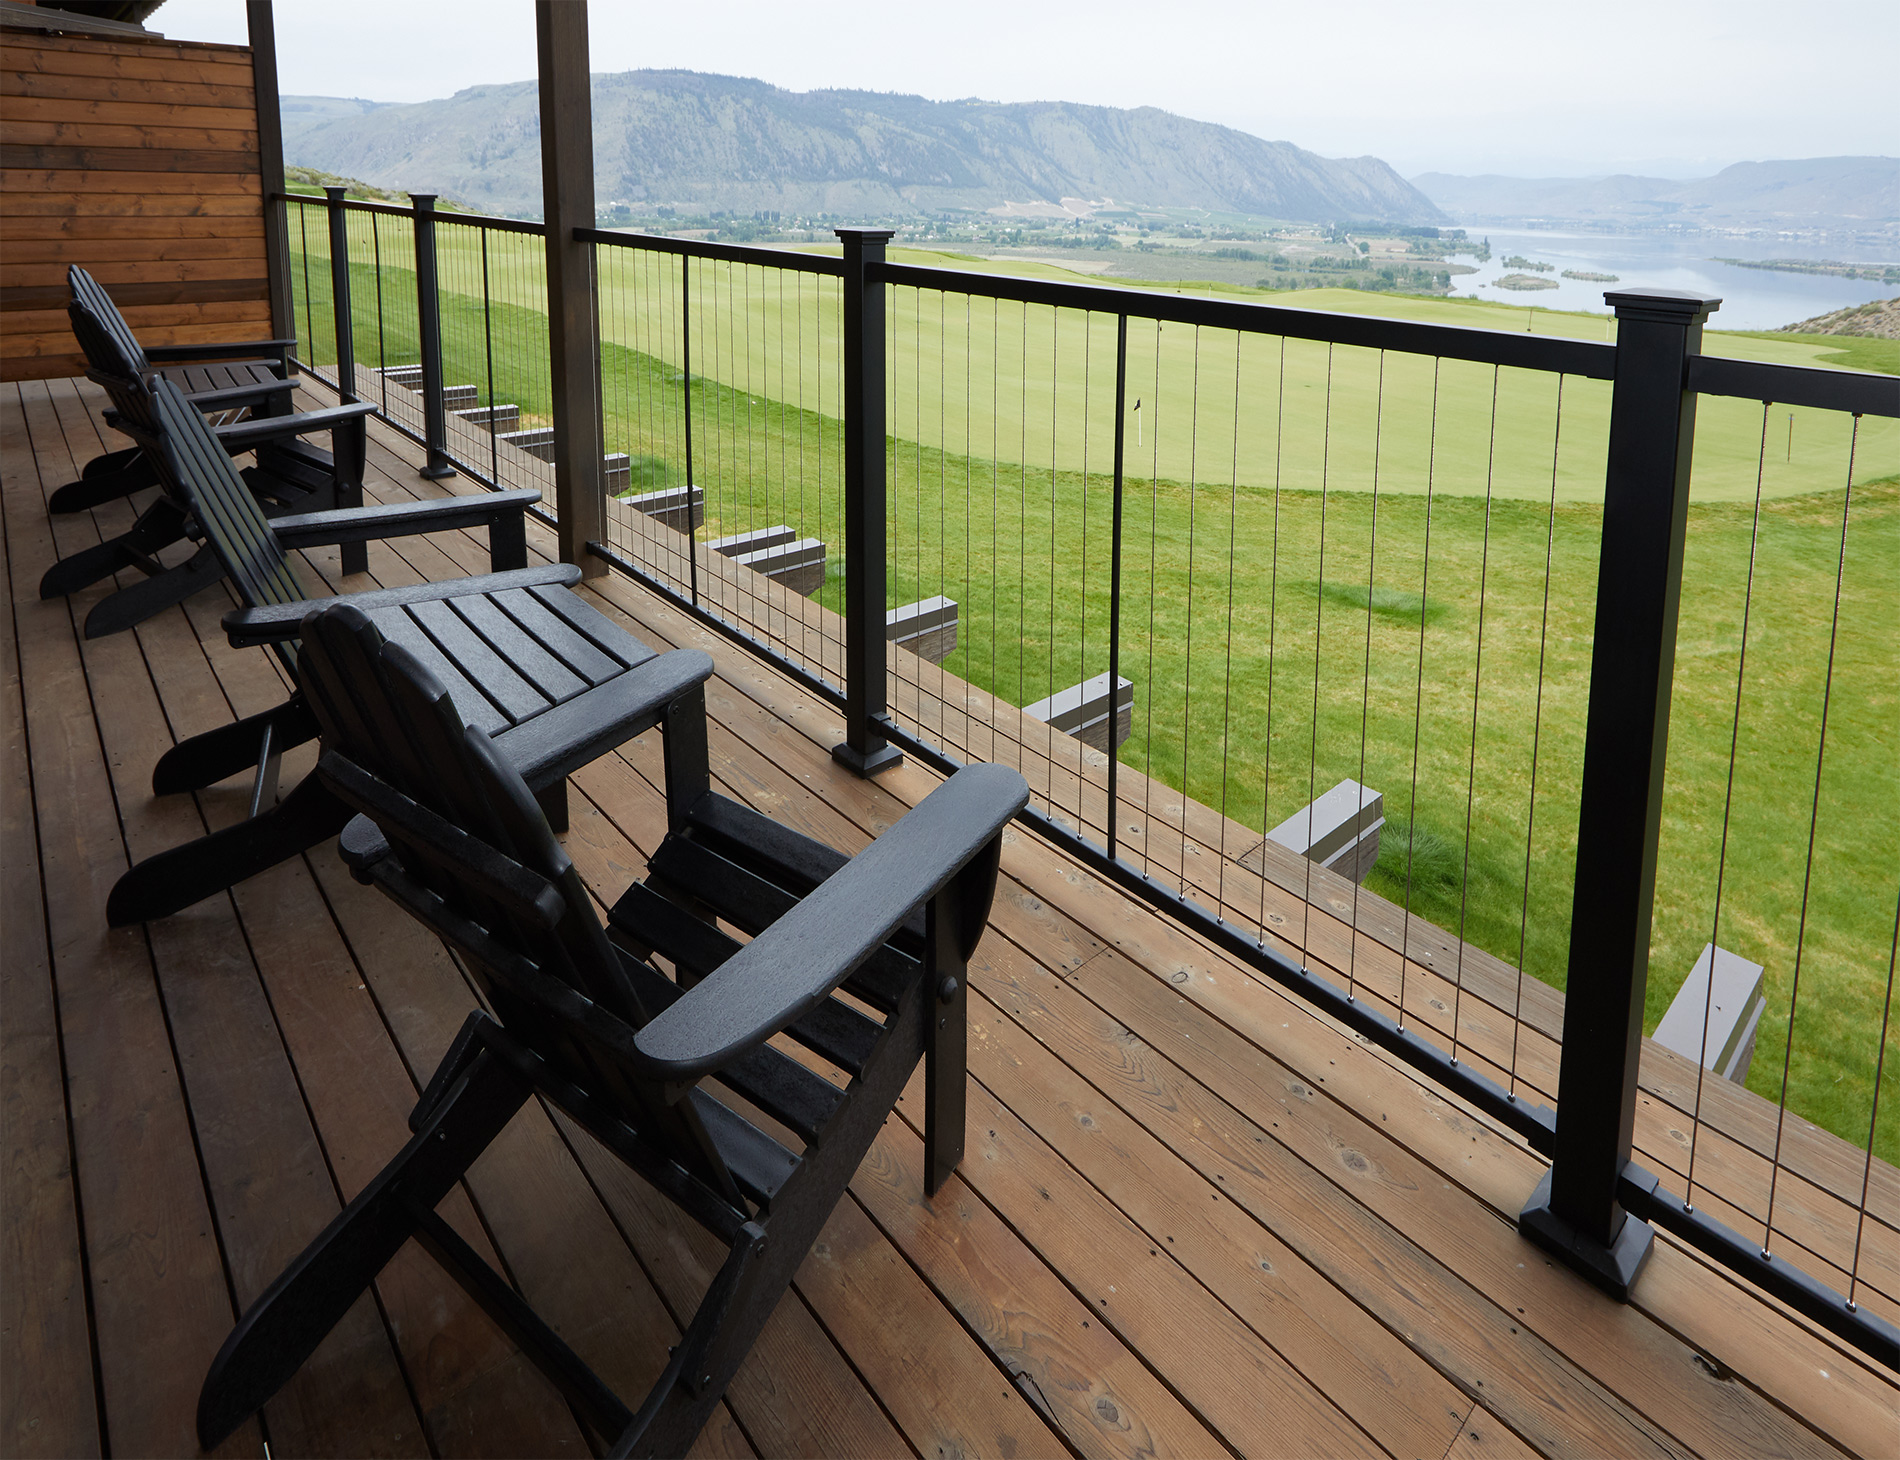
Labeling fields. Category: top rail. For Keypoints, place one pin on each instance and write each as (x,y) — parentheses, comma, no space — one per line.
(1862,393)
(771,258)
(1857,392)
(397,210)
(1453,342)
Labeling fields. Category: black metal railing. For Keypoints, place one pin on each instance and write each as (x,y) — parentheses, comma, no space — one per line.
(1191,562)
(440,318)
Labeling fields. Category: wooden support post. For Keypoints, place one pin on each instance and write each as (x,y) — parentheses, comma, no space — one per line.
(270,165)
(567,197)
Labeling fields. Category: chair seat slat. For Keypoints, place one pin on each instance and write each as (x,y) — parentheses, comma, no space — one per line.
(606,637)
(506,687)
(777,1084)
(529,658)
(760,1165)
(782,856)
(557,633)
(650,920)
(834,1030)
(752,903)
(395,625)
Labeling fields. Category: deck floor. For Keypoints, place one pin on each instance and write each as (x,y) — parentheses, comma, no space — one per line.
(1194,1218)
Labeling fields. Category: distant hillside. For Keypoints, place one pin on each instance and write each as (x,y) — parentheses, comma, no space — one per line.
(704,142)
(1879,320)
(1860,193)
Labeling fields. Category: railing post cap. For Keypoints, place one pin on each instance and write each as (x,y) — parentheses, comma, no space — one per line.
(1668,306)
(424,200)
(866,235)
(335,193)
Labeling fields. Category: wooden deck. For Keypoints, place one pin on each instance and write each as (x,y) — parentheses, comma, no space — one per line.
(1194,1218)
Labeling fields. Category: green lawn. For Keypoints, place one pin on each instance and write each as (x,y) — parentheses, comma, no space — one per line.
(1249,540)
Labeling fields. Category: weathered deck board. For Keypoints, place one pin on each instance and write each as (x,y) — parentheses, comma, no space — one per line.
(46,1391)
(1193,1217)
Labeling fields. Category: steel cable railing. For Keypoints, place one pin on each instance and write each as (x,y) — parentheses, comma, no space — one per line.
(1194,565)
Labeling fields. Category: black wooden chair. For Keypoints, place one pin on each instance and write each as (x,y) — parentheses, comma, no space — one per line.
(227,376)
(516,644)
(289,474)
(584,1018)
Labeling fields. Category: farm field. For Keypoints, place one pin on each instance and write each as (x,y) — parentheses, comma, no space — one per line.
(1249,538)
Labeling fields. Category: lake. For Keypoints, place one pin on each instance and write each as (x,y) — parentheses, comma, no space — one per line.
(1752,299)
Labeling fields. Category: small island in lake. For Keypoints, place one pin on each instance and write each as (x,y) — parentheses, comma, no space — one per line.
(1518,261)
(1524,281)
(1590,278)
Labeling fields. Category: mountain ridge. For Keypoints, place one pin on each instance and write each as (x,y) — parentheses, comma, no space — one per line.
(702,142)
(1835,193)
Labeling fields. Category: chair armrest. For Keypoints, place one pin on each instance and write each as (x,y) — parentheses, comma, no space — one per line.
(400,519)
(568,736)
(276,351)
(278,622)
(243,435)
(559,741)
(230,397)
(789,968)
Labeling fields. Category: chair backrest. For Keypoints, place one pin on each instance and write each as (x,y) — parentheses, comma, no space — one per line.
(199,472)
(102,331)
(473,856)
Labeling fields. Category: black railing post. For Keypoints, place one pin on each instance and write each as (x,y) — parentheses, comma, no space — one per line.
(1115,578)
(865,749)
(1575,1213)
(686,405)
(340,295)
(435,419)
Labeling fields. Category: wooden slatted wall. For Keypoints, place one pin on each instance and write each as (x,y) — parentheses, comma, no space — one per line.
(138,159)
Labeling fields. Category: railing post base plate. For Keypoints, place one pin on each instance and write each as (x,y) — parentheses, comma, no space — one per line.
(1614,1268)
(436,471)
(866,762)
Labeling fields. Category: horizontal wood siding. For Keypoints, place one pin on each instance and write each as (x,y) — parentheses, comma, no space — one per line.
(137,159)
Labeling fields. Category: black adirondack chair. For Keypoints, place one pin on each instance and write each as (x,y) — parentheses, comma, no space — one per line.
(584,1019)
(289,475)
(233,375)
(516,644)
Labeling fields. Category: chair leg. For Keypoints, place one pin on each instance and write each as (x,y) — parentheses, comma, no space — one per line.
(678,1406)
(132,606)
(598,1404)
(553,803)
(119,474)
(206,759)
(799,1212)
(508,543)
(688,771)
(270,765)
(159,526)
(953,924)
(109,462)
(287,1322)
(946,1059)
(161,885)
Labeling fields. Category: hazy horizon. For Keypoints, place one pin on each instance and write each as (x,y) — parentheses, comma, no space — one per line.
(1704,84)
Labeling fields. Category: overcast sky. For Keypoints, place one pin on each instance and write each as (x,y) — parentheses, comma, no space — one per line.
(1674,87)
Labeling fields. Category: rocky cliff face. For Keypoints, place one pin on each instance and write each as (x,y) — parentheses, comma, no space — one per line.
(704,142)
